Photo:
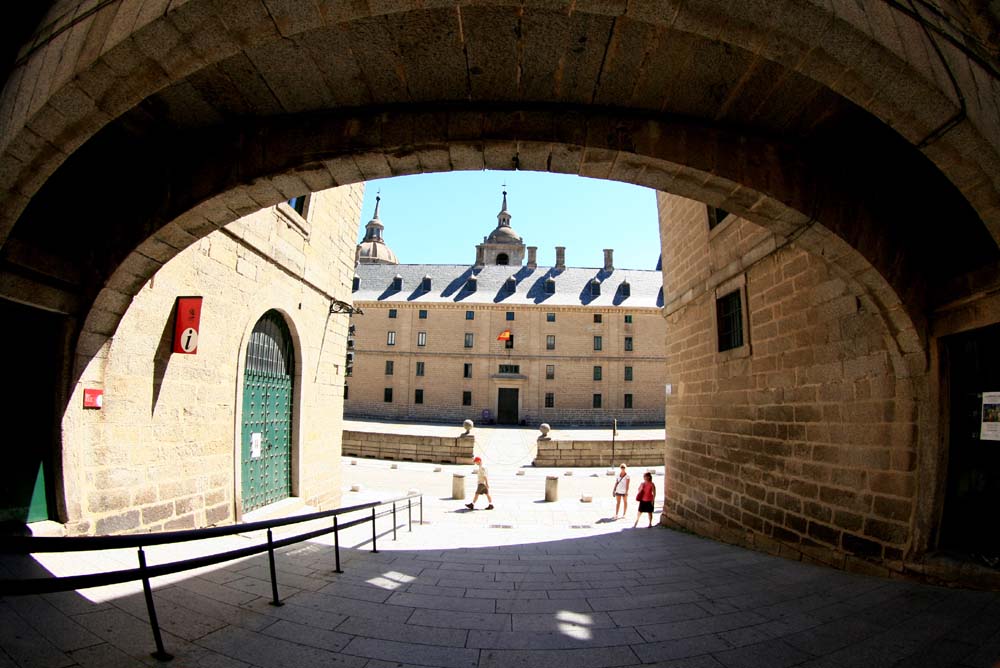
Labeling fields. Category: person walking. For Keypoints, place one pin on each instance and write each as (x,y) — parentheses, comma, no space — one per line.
(645,497)
(482,485)
(620,491)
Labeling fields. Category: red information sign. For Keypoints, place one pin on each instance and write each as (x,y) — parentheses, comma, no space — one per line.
(187,319)
(93,398)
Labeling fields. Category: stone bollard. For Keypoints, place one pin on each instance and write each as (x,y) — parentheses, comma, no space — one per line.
(457,486)
(551,488)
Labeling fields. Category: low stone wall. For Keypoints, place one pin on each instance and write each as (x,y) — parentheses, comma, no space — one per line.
(598,453)
(409,447)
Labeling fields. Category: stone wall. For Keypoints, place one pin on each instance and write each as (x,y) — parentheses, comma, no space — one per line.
(164,451)
(598,453)
(409,447)
(802,441)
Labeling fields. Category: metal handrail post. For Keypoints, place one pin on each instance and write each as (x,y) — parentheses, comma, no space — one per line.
(336,544)
(160,654)
(394,520)
(409,514)
(374,537)
(275,601)
(421,510)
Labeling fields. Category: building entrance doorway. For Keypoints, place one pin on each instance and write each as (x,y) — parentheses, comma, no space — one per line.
(507,405)
(973,493)
(266,440)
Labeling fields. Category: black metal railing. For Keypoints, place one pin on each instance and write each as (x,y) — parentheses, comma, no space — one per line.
(45,585)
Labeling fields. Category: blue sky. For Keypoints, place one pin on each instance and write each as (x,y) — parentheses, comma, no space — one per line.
(439,218)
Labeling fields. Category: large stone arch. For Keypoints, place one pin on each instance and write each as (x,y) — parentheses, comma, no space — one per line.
(849,132)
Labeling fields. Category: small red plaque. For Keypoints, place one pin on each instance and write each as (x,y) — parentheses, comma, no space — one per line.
(93,398)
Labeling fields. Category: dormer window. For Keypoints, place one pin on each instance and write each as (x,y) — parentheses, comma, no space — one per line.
(626,289)
(510,285)
(503,259)
(397,282)
(550,286)
(595,288)
(470,284)
(425,285)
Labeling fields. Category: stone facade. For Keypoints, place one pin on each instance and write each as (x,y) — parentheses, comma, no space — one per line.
(444,358)
(803,440)
(164,451)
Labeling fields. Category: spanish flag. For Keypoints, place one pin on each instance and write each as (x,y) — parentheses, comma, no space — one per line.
(504,335)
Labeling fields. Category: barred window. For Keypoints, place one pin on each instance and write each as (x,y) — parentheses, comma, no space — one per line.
(729,316)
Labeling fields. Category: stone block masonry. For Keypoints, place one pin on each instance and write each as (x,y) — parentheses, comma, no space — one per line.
(599,453)
(802,440)
(165,450)
(409,447)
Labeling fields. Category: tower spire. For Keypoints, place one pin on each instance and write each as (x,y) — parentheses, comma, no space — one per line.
(503,218)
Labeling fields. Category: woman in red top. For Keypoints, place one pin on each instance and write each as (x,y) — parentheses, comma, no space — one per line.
(645,496)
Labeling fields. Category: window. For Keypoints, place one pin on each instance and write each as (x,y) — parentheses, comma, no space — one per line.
(598,343)
(392,314)
(468,339)
(425,284)
(626,289)
(389,366)
(510,315)
(597,401)
(466,398)
(550,342)
(470,315)
(422,314)
(550,317)
(510,285)
(550,371)
(420,368)
(470,284)
(595,288)
(628,401)
(346,392)
(628,343)
(509,343)
(715,216)
(397,283)
(729,316)
(628,373)
(387,395)
(299,204)
(421,338)
(597,373)
(503,259)
(390,338)
(550,286)
(467,370)
(598,318)
(628,318)
(550,399)
(356,284)
(509,368)
(418,396)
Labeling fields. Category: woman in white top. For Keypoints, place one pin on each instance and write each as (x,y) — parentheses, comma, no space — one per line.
(620,491)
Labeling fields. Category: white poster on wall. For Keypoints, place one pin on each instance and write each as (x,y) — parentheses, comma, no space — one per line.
(991,417)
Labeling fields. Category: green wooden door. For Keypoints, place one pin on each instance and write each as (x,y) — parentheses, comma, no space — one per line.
(268,392)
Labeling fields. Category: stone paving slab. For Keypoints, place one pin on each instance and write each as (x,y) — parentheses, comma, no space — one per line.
(458,592)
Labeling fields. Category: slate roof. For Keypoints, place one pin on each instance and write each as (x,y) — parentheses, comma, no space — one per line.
(449,285)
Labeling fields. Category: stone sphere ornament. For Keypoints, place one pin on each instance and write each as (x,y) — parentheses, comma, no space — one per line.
(468,424)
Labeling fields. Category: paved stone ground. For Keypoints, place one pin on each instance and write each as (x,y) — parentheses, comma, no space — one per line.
(528,584)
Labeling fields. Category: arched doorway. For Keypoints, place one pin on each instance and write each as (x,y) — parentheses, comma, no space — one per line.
(268,391)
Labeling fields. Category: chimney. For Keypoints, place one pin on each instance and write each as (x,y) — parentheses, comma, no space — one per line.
(609,263)
(560,257)
(532,262)
(480,256)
